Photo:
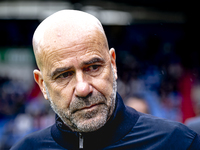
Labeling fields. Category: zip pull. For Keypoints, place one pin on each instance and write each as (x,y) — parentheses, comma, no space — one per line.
(80,141)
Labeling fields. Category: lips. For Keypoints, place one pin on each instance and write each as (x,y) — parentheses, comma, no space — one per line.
(90,107)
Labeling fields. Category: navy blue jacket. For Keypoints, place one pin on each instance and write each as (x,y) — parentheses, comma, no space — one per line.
(126,129)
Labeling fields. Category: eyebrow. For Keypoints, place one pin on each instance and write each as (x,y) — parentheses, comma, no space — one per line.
(59,70)
(62,69)
(93,60)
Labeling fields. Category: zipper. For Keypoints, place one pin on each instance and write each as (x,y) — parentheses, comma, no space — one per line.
(80,141)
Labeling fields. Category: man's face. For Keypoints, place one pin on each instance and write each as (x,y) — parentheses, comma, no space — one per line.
(80,82)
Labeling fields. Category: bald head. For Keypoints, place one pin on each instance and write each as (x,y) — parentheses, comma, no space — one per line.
(64,29)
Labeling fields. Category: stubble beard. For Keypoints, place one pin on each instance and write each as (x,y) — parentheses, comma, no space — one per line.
(81,120)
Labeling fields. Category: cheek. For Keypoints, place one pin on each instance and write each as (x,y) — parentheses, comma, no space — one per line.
(60,96)
(104,84)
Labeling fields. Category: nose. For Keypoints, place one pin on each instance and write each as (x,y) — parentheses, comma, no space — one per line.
(83,88)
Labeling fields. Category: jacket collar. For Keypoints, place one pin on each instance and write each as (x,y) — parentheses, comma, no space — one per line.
(121,122)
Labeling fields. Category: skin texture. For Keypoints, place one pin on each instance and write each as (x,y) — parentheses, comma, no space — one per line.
(77,71)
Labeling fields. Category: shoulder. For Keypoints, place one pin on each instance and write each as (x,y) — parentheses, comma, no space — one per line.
(156,133)
(163,126)
(165,131)
(152,123)
(33,140)
(159,124)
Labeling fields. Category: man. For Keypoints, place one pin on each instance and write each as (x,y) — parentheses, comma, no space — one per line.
(77,74)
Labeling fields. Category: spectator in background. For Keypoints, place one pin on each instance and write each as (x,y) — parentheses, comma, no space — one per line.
(138,103)
(194,122)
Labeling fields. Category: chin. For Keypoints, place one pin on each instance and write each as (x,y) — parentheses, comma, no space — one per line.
(92,124)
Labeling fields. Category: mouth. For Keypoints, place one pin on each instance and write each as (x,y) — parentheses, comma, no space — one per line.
(91,107)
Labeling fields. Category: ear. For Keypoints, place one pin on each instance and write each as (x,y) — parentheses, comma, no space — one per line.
(113,60)
(39,80)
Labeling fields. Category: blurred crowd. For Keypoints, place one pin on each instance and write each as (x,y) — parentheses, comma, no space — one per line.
(150,69)
(21,112)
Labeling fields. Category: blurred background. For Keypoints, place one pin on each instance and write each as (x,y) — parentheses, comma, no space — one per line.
(157,46)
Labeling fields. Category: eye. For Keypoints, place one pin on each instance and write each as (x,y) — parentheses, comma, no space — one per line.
(65,74)
(92,68)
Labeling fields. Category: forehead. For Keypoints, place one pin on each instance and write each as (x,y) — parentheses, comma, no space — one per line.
(60,50)
(67,33)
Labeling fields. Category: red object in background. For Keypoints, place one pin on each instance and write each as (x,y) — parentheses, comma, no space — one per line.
(35,91)
(185,86)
